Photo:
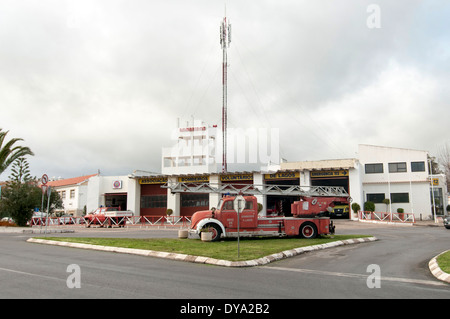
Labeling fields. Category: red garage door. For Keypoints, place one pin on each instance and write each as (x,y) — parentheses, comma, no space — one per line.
(193,202)
(153,200)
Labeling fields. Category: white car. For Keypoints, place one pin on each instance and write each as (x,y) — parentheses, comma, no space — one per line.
(7,219)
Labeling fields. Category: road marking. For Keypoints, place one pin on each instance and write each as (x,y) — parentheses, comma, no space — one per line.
(29,274)
(362,276)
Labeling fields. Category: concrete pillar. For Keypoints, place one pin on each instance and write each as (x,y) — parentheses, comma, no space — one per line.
(214,198)
(258,179)
(173,199)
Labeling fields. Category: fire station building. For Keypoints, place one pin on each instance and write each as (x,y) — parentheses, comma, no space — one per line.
(377,173)
(400,175)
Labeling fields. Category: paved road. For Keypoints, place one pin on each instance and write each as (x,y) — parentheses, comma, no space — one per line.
(402,253)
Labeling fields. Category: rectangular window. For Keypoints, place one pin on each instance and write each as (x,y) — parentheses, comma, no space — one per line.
(374,168)
(376,198)
(194,200)
(397,167)
(72,193)
(153,201)
(230,205)
(399,198)
(417,166)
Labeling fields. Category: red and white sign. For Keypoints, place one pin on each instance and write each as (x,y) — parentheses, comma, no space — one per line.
(44,179)
(117,184)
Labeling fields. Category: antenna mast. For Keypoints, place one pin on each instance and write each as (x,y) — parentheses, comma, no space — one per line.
(225,39)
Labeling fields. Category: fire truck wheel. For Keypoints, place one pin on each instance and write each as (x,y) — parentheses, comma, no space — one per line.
(308,230)
(216,230)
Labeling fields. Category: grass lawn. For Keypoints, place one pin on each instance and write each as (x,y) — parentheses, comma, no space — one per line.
(225,249)
(444,262)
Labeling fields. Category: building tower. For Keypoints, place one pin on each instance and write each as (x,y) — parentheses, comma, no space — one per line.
(225,39)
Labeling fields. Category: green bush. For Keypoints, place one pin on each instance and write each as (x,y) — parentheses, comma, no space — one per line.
(369,206)
(355,208)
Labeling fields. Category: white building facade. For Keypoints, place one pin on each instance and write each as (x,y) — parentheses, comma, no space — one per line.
(400,175)
(115,191)
(194,149)
(73,193)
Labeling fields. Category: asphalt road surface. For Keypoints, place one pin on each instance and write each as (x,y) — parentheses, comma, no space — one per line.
(395,266)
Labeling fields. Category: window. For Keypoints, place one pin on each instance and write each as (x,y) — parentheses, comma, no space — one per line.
(376,198)
(63,195)
(374,168)
(194,200)
(399,198)
(397,167)
(72,193)
(229,205)
(417,166)
(153,201)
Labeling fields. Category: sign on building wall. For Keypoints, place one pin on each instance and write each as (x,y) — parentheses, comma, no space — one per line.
(153,180)
(282,175)
(117,184)
(236,177)
(330,173)
(194,179)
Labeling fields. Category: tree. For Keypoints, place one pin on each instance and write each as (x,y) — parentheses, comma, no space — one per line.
(444,160)
(22,195)
(9,153)
(20,171)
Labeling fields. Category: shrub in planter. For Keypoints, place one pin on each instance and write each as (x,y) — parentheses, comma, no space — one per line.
(356,208)
(401,212)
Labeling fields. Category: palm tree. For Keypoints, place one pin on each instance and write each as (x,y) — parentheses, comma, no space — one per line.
(9,153)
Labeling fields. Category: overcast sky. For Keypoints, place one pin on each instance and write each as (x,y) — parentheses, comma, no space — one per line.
(99,84)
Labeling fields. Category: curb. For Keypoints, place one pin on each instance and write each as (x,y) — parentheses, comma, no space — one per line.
(15,230)
(436,271)
(206,260)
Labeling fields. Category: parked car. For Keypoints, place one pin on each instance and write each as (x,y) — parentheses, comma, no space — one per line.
(38,218)
(7,220)
(108,216)
(447,222)
(66,219)
(339,211)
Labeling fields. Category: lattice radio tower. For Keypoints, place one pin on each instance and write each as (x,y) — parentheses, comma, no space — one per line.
(225,39)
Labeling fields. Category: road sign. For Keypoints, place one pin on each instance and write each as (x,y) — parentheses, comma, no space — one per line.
(44,179)
(239,204)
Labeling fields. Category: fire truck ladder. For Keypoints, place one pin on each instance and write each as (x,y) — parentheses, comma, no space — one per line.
(252,189)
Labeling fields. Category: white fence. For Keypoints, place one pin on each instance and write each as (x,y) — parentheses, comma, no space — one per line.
(380,217)
(147,221)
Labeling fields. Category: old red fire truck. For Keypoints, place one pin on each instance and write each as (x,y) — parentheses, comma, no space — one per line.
(308,214)
(108,217)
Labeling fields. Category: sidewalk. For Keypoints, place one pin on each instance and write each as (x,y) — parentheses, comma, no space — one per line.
(33,230)
(439,223)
